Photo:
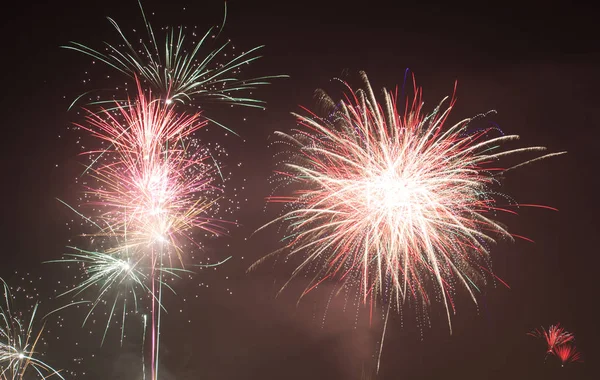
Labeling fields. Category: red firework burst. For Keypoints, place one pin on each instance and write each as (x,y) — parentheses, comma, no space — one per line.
(554,336)
(567,353)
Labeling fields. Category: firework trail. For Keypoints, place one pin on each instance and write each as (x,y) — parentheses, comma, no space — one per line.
(554,336)
(567,353)
(18,341)
(389,199)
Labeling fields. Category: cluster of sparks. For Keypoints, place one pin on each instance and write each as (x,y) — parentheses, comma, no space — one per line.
(390,200)
(559,343)
(19,338)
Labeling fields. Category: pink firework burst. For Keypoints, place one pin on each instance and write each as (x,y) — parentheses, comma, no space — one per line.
(567,353)
(391,200)
(554,336)
(154,182)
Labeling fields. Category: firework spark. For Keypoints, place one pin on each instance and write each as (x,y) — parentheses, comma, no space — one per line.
(391,200)
(567,353)
(177,70)
(554,336)
(18,342)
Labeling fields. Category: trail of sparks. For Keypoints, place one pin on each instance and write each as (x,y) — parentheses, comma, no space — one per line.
(145,325)
(385,194)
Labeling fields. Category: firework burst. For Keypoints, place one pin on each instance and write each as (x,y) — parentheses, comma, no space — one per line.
(117,275)
(18,342)
(391,200)
(554,336)
(154,185)
(567,353)
(176,69)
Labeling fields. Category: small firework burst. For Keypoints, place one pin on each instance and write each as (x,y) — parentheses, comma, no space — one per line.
(19,340)
(554,336)
(567,353)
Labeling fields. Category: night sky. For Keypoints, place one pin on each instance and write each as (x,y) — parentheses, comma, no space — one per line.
(537,66)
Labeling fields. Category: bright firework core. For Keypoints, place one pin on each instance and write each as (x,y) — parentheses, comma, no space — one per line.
(389,192)
(125,265)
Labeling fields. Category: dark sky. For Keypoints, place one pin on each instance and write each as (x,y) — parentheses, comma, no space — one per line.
(536,65)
